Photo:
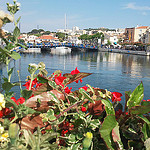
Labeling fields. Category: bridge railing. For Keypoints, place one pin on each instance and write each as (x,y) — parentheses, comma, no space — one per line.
(47,45)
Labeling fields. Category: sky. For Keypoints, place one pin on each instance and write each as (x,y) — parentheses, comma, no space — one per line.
(50,14)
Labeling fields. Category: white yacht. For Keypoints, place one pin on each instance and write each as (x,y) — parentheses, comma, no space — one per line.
(61,50)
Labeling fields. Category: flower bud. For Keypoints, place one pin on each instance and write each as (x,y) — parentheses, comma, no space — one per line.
(2,100)
(87,140)
(13,131)
(1,129)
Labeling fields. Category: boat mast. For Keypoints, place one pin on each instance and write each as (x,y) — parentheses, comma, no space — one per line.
(65,27)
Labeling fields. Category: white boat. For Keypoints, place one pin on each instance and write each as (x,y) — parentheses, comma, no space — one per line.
(61,50)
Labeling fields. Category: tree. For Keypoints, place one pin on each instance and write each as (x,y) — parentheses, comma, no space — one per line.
(46,33)
(61,36)
(108,42)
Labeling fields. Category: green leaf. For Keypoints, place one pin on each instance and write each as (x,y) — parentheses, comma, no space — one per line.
(144,119)
(106,130)
(55,99)
(140,110)
(50,115)
(26,94)
(14,55)
(9,46)
(116,137)
(30,110)
(108,107)
(136,96)
(11,103)
(16,33)
(91,89)
(57,72)
(52,84)
(18,44)
(41,79)
(10,71)
(72,138)
(75,146)
(18,20)
(86,95)
(7,86)
(73,99)
(146,131)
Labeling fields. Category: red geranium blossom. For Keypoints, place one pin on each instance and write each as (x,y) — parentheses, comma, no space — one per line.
(4,112)
(116,96)
(59,80)
(83,109)
(76,71)
(34,84)
(67,90)
(84,87)
(146,100)
(21,100)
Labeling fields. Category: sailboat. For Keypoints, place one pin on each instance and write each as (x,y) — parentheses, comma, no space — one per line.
(62,49)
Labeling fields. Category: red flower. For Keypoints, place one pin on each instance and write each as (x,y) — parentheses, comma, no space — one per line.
(27,84)
(78,81)
(67,90)
(59,80)
(34,83)
(76,71)
(84,87)
(83,109)
(4,112)
(146,100)
(66,126)
(21,100)
(116,96)
(64,132)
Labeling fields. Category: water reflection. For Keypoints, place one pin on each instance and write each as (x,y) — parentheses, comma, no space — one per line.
(112,71)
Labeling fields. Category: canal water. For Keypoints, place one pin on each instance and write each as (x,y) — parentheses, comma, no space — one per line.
(113,71)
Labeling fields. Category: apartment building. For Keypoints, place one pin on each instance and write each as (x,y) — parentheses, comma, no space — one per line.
(135,34)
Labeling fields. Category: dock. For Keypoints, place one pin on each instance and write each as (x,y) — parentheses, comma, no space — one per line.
(123,51)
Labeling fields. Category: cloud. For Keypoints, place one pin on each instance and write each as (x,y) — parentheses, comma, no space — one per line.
(133,6)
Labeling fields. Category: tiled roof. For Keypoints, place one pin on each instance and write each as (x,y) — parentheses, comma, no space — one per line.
(142,27)
(47,37)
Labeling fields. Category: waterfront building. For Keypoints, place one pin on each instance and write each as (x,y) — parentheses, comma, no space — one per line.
(30,39)
(74,39)
(112,38)
(135,34)
(146,39)
(47,38)
(139,33)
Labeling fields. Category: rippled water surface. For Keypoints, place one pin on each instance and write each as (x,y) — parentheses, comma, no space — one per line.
(112,71)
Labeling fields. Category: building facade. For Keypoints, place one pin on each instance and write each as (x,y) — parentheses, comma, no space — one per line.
(129,35)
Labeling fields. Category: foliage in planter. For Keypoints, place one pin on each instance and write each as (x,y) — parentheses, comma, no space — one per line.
(77,118)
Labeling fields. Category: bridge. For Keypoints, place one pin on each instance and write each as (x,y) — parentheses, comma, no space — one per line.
(71,45)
